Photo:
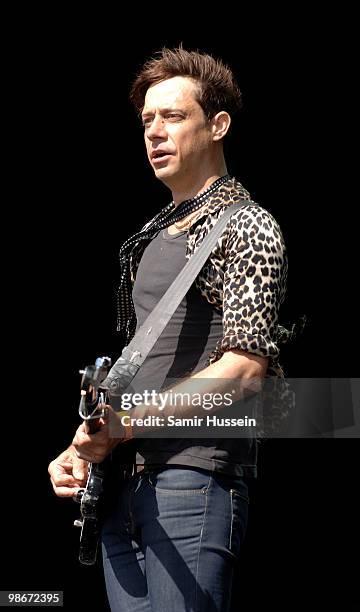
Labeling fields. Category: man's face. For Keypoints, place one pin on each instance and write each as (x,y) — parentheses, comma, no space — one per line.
(178,136)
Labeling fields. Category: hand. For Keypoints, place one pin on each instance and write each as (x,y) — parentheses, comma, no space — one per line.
(94,447)
(68,473)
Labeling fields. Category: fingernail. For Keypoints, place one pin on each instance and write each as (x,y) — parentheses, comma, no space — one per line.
(79,475)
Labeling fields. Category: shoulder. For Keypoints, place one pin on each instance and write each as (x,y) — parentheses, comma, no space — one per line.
(251,222)
(250,217)
(253,215)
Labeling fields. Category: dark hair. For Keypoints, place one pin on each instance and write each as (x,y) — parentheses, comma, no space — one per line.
(217,91)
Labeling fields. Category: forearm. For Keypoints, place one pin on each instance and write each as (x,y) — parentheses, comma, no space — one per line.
(234,376)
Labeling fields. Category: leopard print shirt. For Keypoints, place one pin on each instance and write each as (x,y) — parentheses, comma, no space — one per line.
(245,275)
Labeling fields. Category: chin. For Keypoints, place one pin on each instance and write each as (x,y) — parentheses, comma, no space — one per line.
(164,173)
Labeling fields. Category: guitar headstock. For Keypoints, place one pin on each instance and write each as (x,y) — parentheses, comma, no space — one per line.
(92,377)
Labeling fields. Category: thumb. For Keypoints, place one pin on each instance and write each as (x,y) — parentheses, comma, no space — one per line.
(80,469)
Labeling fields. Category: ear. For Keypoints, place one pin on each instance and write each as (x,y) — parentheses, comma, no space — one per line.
(220,124)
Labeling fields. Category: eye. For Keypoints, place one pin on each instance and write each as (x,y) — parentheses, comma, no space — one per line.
(175,116)
(146,121)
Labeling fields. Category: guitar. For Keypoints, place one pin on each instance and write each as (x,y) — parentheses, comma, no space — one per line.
(98,389)
(90,498)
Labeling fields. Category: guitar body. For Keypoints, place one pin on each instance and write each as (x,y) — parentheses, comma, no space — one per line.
(91,513)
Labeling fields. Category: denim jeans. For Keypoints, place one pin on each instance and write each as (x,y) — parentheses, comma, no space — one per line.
(172,539)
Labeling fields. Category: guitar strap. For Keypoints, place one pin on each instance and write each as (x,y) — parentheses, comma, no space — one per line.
(134,355)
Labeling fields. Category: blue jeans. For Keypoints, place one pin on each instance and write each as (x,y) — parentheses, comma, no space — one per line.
(171,543)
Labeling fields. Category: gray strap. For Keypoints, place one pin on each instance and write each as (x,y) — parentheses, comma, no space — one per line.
(145,338)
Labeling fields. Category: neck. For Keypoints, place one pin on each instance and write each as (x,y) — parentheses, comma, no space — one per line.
(195,186)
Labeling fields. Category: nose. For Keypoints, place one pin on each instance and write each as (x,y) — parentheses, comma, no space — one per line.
(156,129)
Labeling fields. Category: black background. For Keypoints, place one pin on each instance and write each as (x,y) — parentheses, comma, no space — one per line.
(81,185)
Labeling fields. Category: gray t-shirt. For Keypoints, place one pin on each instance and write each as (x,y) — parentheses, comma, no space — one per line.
(195,327)
(183,348)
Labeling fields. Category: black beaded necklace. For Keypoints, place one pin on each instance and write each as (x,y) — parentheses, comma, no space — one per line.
(167,216)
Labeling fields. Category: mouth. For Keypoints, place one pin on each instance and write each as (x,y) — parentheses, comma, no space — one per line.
(159,156)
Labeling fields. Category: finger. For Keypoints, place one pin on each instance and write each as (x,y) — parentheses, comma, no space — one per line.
(63,482)
(66,480)
(60,468)
(66,491)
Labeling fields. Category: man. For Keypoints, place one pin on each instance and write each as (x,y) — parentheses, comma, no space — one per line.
(173,536)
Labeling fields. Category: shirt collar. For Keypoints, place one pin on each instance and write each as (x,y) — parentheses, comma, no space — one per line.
(232,191)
